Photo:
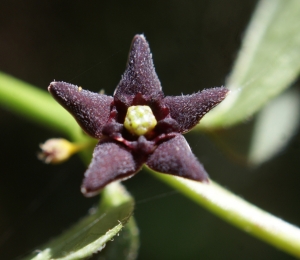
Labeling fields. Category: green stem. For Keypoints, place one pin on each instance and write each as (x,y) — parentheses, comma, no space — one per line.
(35,104)
(38,106)
(239,212)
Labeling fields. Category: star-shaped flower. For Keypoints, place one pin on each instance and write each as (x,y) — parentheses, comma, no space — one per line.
(138,125)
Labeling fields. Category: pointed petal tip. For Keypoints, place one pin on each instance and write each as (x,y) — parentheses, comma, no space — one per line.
(89,194)
(139,42)
(53,86)
(50,87)
(59,85)
(228,91)
(206,181)
(139,37)
(53,83)
(223,90)
(139,45)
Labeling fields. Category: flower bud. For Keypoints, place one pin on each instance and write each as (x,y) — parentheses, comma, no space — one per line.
(57,150)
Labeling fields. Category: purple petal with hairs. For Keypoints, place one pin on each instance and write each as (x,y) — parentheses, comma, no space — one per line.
(175,157)
(111,161)
(189,109)
(139,76)
(91,110)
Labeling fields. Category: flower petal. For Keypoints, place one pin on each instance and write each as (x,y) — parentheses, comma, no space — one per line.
(140,75)
(175,157)
(188,110)
(91,110)
(111,161)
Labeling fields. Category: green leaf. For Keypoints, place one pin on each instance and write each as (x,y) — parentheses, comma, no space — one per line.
(275,125)
(91,234)
(268,62)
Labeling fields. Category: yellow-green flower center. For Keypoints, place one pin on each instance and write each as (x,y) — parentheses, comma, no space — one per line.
(139,120)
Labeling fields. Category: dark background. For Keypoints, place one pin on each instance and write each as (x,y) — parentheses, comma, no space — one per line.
(194,44)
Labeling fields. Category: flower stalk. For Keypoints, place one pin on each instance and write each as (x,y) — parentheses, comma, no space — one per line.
(239,213)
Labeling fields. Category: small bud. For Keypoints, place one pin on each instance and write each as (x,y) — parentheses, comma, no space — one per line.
(57,150)
(139,120)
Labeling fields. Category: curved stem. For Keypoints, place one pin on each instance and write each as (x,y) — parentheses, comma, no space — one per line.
(239,212)
(35,104)
(38,106)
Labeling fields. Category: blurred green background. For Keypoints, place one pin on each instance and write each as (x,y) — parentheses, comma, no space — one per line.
(194,44)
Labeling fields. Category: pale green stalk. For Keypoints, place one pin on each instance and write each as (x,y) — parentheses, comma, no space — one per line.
(38,106)
(239,212)
(35,104)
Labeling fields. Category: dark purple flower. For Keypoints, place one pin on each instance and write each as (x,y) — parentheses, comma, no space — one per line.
(138,124)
